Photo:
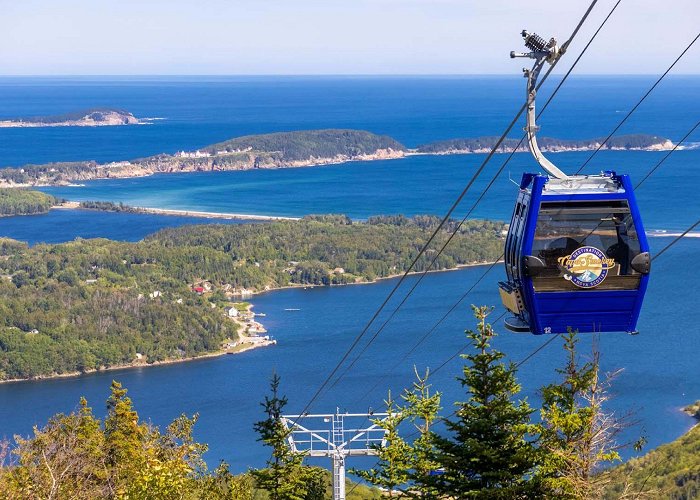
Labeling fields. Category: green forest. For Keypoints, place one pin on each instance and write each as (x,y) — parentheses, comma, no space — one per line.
(672,471)
(302,145)
(285,149)
(89,304)
(630,141)
(108,206)
(24,202)
(80,456)
(495,444)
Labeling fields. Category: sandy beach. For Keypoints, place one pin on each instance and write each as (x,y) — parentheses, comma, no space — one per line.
(75,205)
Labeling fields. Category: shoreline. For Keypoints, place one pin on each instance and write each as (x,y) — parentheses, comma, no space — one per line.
(75,205)
(241,347)
(139,169)
(458,267)
(42,378)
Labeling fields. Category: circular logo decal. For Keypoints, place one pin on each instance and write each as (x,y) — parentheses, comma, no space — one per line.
(586,267)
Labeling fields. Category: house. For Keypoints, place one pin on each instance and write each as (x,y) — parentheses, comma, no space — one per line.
(232,312)
(338,270)
(90,281)
(198,289)
(154,294)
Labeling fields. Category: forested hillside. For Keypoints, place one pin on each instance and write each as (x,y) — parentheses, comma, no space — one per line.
(89,304)
(479,144)
(672,471)
(24,202)
(301,145)
(299,148)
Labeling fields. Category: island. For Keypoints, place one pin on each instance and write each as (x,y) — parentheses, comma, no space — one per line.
(634,142)
(98,304)
(305,148)
(97,117)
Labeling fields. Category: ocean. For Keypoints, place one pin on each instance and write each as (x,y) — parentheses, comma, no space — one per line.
(659,365)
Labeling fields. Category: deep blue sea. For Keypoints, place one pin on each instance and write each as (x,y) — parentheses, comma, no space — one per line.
(660,369)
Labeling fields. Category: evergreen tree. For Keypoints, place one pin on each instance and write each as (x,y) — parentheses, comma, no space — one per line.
(285,477)
(394,457)
(576,435)
(421,409)
(486,452)
(123,438)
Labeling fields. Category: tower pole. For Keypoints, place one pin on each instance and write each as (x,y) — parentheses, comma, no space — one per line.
(316,438)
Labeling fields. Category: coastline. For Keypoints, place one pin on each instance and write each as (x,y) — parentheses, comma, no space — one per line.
(75,205)
(129,366)
(458,267)
(13,124)
(240,347)
(243,344)
(154,165)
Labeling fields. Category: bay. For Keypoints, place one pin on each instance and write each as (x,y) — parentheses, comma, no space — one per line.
(660,372)
(659,366)
(58,226)
(414,185)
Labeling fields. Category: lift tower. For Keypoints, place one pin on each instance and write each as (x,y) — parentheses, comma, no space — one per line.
(336,436)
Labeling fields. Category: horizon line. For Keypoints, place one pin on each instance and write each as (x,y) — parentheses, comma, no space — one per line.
(311,75)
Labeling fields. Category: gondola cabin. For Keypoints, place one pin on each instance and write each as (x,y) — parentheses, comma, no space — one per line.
(576,256)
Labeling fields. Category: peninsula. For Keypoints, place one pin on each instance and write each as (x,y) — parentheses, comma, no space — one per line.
(97,304)
(98,117)
(25,202)
(295,149)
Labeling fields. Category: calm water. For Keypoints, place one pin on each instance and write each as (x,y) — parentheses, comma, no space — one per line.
(198,111)
(65,225)
(660,365)
(414,185)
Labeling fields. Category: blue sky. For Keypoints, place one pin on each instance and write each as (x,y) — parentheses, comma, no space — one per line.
(331,36)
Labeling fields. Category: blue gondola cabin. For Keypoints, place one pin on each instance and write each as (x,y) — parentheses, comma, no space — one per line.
(576,256)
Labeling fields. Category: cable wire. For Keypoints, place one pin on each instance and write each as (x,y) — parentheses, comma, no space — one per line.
(675,147)
(667,155)
(595,152)
(442,223)
(675,240)
(483,193)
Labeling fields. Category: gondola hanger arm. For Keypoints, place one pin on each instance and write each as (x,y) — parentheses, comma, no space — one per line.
(541,51)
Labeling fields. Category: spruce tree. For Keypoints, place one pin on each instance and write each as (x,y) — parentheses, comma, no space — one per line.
(487,451)
(421,408)
(394,457)
(285,477)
